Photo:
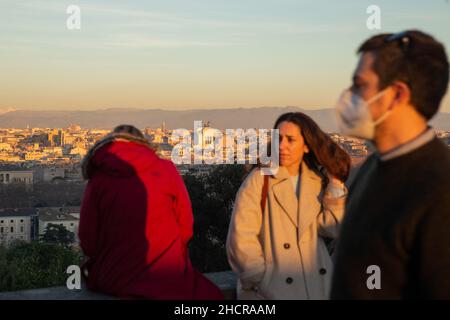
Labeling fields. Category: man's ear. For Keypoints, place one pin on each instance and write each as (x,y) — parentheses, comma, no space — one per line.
(402,93)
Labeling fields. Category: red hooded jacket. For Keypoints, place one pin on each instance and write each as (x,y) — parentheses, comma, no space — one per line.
(135,223)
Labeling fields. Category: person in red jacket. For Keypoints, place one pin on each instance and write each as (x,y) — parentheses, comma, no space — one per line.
(135,223)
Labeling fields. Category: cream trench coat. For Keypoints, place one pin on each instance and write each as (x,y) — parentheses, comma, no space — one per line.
(281,254)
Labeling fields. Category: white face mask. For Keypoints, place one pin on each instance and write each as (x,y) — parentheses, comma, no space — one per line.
(353,115)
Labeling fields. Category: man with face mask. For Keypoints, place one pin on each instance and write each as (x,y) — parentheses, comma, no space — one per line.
(395,237)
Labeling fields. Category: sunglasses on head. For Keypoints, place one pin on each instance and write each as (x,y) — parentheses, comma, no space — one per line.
(404,41)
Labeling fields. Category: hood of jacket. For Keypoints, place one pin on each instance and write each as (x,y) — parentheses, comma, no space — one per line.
(119,154)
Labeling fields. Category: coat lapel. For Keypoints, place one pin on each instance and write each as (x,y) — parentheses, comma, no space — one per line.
(309,203)
(282,190)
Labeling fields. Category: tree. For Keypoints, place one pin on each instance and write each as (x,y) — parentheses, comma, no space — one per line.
(35,265)
(58,234)
(212,198)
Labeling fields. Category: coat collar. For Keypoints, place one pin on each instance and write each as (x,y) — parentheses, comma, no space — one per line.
(308,203)
(283,173)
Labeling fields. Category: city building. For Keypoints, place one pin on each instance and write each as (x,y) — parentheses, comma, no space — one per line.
(16,176)
(5,146)
(58,216)
(17,225)
(56,138)
(81,152)
(50,173)
(35,155)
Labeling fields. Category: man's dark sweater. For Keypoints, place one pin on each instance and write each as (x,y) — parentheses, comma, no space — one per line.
(397,218)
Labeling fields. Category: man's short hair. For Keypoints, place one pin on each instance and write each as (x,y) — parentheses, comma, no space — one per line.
(416,59)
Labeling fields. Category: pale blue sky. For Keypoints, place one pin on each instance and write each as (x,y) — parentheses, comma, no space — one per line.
(175,54)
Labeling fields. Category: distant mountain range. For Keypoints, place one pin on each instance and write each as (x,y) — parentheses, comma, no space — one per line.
(2,111)
(262,117)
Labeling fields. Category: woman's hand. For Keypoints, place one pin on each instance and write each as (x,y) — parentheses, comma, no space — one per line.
(335,188)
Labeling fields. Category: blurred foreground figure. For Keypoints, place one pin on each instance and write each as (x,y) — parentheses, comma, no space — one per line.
(135,223)
(395,240)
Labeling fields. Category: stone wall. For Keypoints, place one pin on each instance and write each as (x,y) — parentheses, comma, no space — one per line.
(226,281)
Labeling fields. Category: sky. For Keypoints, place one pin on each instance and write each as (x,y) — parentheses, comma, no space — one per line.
(193,54)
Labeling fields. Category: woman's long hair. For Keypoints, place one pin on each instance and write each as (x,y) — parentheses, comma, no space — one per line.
(323,153)
(123,132)
(129,129)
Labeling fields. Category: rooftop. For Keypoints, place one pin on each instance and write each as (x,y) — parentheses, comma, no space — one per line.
(55,214)
(17,212)
(10,168)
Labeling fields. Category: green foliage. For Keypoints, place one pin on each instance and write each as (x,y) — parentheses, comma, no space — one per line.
(212,198)
(35,265)
(55,233)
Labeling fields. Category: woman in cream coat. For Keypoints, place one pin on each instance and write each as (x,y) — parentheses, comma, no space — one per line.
(281,253)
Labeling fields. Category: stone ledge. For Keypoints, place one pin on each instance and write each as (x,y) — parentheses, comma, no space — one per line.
(226,281)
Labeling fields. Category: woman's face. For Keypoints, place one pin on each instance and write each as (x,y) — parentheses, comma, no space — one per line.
(292,145)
